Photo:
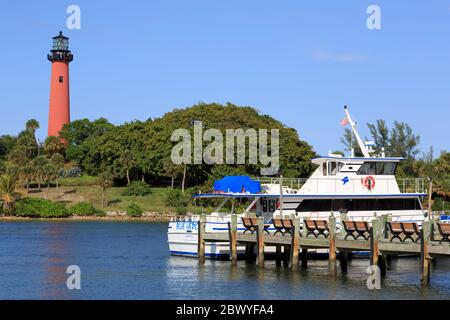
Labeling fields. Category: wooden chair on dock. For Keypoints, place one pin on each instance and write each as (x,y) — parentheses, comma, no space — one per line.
(410,229)
(278,225)
(247,222)
(317,228)
(310,226)
(254,224)
(396,230)
(350,229)
(362,230)
(444,231)
(322,228)
(288,225)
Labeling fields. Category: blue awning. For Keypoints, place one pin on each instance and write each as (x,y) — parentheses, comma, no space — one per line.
(237,184)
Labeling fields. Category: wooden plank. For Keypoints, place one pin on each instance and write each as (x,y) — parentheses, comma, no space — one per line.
(353,245)
(201,242)
(399,247)
(260,242)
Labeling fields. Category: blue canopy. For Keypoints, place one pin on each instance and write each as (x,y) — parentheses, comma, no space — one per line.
(237,184)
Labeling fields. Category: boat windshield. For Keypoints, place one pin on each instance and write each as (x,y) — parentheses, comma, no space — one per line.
(378,168)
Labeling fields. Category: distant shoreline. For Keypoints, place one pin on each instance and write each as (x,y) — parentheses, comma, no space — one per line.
(109,217)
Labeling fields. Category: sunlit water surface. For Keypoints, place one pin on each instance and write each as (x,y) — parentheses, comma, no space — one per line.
(130,260)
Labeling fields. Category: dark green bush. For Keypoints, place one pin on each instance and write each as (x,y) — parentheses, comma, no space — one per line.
(85,209)
(134,210)
(175,198)
(40,208)
(181,210)
(137,188)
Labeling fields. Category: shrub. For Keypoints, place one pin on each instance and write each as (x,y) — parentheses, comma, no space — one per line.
(40,208)
(74,172)
(175,198)
(137,188)
(181,210)
(83,209)
(100,213)
(134,210)
(83,181)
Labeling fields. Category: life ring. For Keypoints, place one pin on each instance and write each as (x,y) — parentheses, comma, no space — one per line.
(369,182)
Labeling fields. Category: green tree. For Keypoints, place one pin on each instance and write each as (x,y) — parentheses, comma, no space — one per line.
(127,160)
(173,171)
(50,173)
(7,143)
(26,175)
(105,180)
(39,164)
(57,160)
(32,125)
(380,135)
(53,145)
(8,192)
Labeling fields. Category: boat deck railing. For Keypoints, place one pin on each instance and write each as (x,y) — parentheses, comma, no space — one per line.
(405,185)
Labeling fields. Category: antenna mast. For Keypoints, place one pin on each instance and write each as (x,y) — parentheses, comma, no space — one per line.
(358,138)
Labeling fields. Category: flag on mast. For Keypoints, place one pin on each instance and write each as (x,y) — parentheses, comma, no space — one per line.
(344,122)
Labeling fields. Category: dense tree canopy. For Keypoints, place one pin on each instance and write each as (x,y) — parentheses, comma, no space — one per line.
(142,149)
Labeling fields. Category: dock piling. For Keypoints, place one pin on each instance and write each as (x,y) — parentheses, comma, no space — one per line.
(374,237)
(424,256)
(232,228)
(278,255)
(332,245)
(201,241)
(343,259)
(260,241)
(304,258)
(295,244)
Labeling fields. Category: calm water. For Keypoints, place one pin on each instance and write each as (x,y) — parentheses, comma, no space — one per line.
(129,260)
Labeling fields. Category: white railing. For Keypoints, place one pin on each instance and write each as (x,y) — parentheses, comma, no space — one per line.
(405,185)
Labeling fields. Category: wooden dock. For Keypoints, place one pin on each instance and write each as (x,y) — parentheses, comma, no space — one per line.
(297,244)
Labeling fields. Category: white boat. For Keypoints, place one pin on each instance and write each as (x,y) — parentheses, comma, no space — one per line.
(359,187)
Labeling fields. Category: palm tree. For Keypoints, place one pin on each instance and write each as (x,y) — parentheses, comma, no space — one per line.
(105,180)
(39,164)
(58,161)
(26,175)
(53,145)
(8,192)
(32,125)
(50,173)
(127,160)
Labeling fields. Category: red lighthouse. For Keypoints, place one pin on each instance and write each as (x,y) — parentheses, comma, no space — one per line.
(59,113)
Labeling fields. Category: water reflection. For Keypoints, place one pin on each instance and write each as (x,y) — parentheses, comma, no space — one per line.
(57,249)
(131,261)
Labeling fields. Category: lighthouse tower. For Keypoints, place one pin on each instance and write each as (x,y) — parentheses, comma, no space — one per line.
(60,57)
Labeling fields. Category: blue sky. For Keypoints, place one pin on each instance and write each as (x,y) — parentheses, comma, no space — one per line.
(299,61)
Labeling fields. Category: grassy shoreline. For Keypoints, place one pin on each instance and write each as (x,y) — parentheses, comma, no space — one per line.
(148,218)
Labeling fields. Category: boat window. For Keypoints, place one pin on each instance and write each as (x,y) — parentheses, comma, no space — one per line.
(378,168)
(345,205)
(332,168)
(272,205)
(264,205)
(324,167)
